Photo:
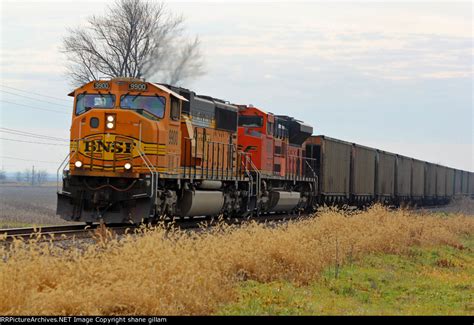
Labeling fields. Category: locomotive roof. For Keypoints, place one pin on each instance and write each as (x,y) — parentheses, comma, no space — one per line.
(157,85)
(169,91)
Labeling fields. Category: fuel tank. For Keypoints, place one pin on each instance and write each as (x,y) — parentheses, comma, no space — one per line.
(201,203)
(283,201)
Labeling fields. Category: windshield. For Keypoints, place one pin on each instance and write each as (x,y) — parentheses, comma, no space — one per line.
(152,104)
(88,101)
(250,121)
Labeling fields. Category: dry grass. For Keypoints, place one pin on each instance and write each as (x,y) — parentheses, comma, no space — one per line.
(195,273)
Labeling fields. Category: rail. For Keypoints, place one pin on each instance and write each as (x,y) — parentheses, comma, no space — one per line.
(46,232)
(76,231)
(59,232)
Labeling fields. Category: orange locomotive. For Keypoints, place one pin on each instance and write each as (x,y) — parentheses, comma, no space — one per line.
(143,150)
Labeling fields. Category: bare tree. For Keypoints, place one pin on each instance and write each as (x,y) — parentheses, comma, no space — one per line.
(19,177)
(27,175)
(41,176)
(134,38)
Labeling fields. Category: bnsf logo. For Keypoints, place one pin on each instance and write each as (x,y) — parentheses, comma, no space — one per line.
(107,146)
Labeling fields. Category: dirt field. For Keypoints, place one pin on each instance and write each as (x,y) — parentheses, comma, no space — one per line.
(22,206)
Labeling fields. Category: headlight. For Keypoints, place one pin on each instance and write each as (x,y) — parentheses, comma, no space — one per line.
(127,166)
(110,118)
(78,164)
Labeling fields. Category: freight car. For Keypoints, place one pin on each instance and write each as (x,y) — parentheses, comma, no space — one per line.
(363,161)
(417,182)
(403,170)
(471,185)
(430,183)
(142,150)
(457,182)
(440,184)
(465,183)
(385,176)
(449,182)
(333,168)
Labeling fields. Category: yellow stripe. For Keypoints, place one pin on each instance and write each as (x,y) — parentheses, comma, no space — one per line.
(155,152)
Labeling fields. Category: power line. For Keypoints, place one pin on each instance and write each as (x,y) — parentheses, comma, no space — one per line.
(33,107)
(28,97)
(22,159)
(37,94)
(32,135)
(34,142)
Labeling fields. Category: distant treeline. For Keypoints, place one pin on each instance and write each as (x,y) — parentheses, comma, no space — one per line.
(29,176)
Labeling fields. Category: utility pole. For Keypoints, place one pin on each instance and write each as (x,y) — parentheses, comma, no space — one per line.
(33,176)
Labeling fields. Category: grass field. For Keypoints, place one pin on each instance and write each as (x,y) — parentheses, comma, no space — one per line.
(424,281)
(373,262)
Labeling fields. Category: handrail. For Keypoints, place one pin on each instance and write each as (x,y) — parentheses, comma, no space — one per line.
(153,172)
(63,165)
(293,164)
(248,162)
(148,164)
(315,177)
(246,171)
(258,176)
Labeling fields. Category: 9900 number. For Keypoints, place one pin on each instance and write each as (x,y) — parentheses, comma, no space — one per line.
(139,87)
(101,85)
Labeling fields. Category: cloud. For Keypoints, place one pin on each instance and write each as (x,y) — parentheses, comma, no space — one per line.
(400,57)
(32,60)
(349,69)
(385,41)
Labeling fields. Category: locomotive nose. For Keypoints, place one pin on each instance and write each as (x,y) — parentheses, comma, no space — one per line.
(109,142)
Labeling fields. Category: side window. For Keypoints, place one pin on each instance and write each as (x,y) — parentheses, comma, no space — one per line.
(80,105)
(175,111)
(269,128)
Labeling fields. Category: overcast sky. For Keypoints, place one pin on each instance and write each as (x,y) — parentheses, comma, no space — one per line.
(392,75)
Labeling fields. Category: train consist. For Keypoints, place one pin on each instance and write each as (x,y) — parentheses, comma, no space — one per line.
(349,173)
(142,150)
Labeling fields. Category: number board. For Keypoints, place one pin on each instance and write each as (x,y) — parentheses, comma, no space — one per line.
(101,85)
(137,86)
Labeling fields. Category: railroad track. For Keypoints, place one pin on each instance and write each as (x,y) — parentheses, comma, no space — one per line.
(57,232)
(64,232)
